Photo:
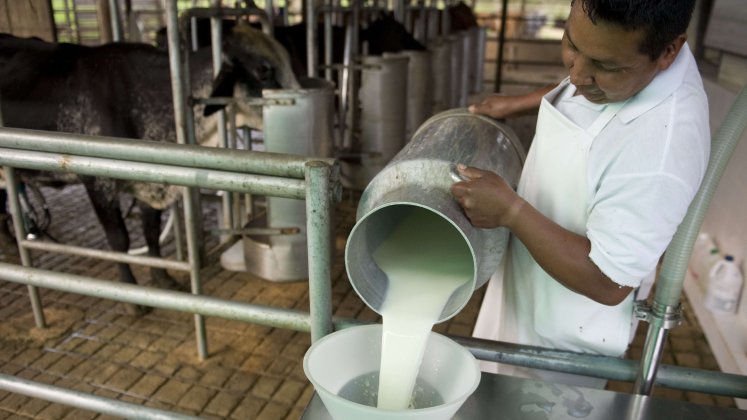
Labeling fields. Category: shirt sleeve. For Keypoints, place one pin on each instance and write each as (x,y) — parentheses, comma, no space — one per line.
(649,173)
(632,223)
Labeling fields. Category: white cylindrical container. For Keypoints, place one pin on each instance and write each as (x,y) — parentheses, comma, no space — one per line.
(701,249)
(711,257)
(724,286)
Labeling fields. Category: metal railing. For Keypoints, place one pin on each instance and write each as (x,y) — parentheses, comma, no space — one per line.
(280,175)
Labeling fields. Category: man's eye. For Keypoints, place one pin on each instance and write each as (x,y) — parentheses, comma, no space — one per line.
(607,68)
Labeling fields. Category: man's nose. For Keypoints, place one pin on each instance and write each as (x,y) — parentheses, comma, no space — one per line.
(580,72)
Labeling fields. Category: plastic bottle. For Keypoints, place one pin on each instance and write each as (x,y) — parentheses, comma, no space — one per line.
(724,287)
(712,257)
(701,251)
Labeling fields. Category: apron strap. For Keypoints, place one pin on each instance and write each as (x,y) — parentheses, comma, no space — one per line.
(609,112)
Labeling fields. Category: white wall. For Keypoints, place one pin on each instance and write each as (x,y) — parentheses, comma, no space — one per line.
(726,220)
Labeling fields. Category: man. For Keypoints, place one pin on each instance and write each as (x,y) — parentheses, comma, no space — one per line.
(620,150)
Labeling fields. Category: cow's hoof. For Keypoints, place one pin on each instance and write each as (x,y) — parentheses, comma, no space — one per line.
(136,310)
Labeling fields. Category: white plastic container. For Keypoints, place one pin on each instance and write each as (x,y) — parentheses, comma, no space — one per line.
(701,250)
(724,287)
(343,367)
(710,259)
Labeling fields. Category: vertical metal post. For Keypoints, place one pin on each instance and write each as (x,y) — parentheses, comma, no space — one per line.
(20,232)
(270,11)
(116,21)
(216,31)
(319,237)
(501,44)
(178,240)
(445,19)
(328,43)
(399,10)
(311,50)
(651,357)
(75,22)
(353,74)
(184,125)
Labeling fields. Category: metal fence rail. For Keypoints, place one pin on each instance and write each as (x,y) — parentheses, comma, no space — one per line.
(315,180)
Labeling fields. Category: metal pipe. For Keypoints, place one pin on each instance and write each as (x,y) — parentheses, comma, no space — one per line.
(216,30)
(345,89)
(501,44)
(20,232)
(185,134)
(178,241)
(270,12)
(319,238)
(191,215)
(151,172)
(116,21)
(175,64)
(328,45)
(122,257)
(312,59)
(399,10)
(699,380)
(353,76)
(674,267)
(85,401)
(650,359)
(263,163)
(157,298)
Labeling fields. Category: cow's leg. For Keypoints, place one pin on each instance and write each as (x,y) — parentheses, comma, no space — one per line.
(6,240)
(105,201)
(151,219)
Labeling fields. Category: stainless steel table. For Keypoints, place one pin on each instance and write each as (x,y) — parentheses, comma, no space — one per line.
(500,397)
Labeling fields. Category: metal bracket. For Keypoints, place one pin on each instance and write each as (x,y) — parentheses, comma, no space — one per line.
(672,317)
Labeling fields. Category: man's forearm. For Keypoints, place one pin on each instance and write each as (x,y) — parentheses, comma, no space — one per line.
(564,255)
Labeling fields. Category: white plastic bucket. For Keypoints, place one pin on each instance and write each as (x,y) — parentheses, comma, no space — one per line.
(347,362)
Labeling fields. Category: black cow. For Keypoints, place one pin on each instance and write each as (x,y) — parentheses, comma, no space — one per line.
(461,17)
(124,90)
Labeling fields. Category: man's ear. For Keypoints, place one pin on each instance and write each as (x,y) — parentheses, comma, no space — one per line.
(222,87)
(670,52)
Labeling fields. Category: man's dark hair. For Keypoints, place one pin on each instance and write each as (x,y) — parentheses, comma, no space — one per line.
(662,20)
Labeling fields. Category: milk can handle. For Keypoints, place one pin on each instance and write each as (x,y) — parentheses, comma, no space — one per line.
(454,173)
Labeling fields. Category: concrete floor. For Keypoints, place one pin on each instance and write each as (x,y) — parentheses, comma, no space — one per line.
(252,372)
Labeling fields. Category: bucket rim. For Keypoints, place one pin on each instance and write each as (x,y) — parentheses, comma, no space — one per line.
(370,409)
(471,283)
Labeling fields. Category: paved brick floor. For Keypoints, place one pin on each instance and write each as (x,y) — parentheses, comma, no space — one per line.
(252,372)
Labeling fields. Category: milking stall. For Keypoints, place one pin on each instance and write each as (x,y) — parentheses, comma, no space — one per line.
(369,209)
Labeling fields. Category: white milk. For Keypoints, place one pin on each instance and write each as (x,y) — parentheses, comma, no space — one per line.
(425,259)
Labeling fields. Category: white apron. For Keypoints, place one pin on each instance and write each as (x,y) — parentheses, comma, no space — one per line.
(528,306)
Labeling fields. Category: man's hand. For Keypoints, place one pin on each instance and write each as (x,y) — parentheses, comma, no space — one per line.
(486,198)
(497,106)
(501,106)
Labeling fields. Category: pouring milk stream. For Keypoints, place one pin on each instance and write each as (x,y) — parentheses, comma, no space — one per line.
(425,259)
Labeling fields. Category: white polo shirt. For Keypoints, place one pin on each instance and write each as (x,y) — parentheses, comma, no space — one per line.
(644,168)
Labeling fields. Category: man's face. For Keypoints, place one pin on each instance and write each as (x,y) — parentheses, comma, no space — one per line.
(603,59)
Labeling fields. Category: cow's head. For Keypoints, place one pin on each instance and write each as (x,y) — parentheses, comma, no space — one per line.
(386,34)
(252,61)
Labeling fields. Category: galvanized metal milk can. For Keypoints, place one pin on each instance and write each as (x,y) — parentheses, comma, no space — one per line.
(421,176)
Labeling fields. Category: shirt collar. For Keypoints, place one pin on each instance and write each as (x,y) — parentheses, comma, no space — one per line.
(660,88)
(653,94)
